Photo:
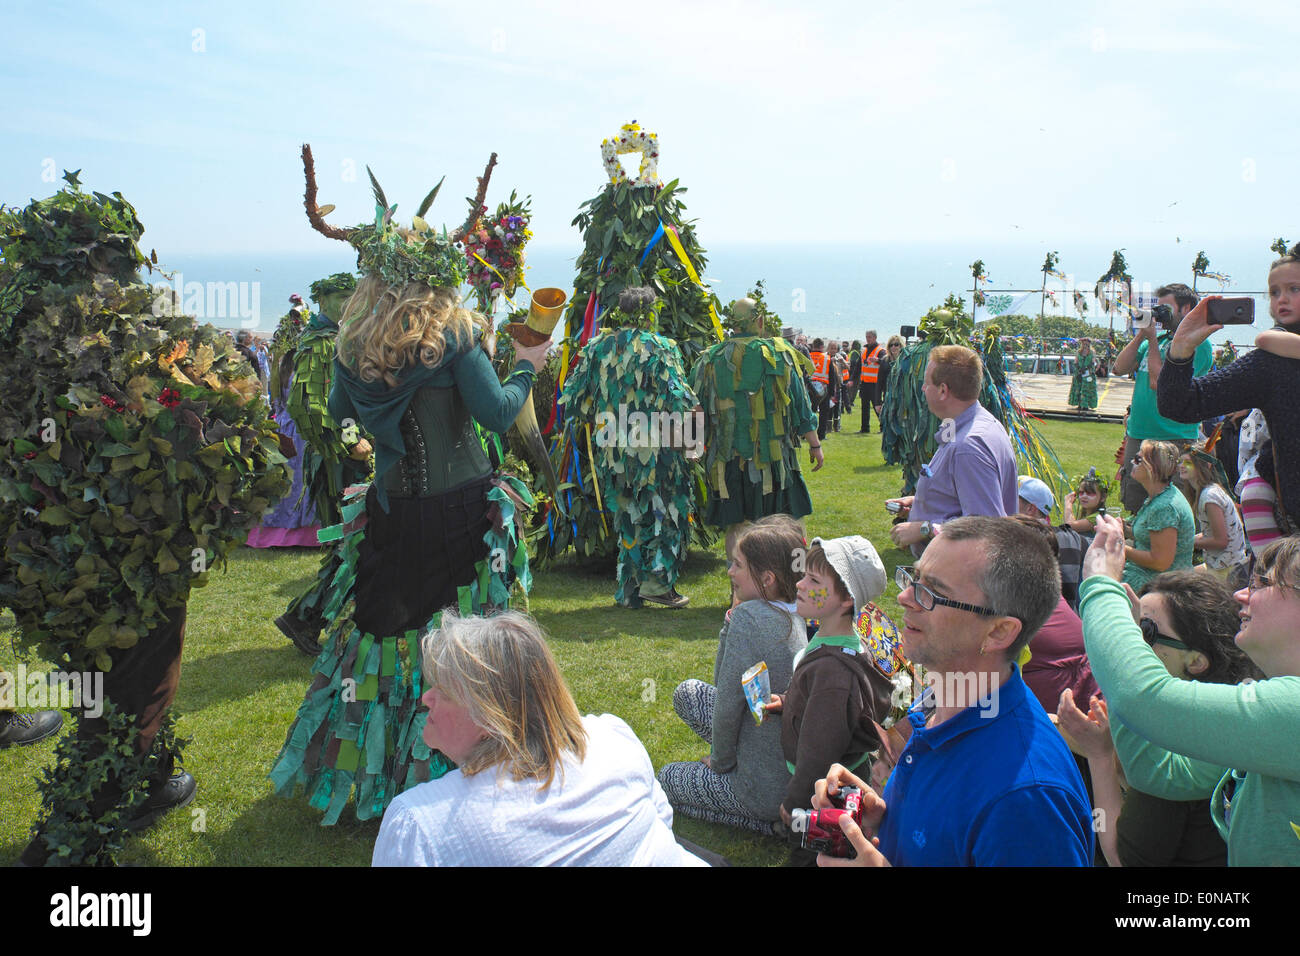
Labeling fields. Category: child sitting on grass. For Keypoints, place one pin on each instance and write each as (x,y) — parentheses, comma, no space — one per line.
(743,779)
(837,692)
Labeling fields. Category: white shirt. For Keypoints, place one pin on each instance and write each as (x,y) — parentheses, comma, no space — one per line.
(1234,552)
(608,810)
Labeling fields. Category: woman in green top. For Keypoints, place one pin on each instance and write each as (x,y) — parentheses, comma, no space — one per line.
(1189,619)
(1083,387)
(1250,727)
(1163,529)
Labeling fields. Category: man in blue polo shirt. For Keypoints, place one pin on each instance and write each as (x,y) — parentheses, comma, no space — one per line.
(985,778)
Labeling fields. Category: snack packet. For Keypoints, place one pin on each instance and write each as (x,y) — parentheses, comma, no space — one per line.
(757,684)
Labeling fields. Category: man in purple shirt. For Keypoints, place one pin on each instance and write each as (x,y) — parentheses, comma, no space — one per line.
(973,471)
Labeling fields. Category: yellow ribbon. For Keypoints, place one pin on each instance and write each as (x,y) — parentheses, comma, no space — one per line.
(499,275)
(595,483)
(676,243)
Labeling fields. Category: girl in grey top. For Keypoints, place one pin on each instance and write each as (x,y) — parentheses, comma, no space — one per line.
(742,780)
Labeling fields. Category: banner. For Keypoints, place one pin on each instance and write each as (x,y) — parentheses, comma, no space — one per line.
(1004,304)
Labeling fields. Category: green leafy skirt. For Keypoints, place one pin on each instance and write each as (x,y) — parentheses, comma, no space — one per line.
(746,500)
(359,730)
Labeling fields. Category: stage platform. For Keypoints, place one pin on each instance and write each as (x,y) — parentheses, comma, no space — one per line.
(1047,396)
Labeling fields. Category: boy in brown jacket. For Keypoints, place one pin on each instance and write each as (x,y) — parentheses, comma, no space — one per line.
(837,691)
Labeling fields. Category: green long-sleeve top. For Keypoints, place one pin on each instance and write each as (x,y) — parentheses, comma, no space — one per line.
(1253,728)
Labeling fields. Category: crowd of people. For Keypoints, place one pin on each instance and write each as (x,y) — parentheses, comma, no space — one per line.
(1086,687)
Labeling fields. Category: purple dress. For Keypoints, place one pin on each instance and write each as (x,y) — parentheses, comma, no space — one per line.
(292,522)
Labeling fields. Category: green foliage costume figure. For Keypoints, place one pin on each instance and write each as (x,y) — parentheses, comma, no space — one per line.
(436,528)
(625,380)
(635,233)
(134,451)
(908,427)
(755,409)
(1083,384)
(327,466)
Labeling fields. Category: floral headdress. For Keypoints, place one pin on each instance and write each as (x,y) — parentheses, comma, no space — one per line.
(1104,485)
(396,254)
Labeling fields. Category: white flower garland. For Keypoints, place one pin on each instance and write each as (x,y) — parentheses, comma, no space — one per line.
(632,139)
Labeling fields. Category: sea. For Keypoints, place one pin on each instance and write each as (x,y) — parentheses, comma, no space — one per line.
(836,290)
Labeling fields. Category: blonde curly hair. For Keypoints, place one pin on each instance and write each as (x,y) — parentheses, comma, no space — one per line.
(386,328)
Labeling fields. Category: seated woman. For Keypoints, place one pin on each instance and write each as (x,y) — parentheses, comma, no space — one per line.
(1163,528)
(743,779)
(1189,620)
(536,784)
(1252,728)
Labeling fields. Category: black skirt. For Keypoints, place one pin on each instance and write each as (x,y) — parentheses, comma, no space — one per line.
(414,557)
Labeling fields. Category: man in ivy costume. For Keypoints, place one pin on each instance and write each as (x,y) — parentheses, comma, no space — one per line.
(335,456)
(756,409)
(134,450)
(628,391)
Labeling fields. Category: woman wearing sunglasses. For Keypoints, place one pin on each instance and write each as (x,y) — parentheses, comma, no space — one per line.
(1189,619)
(1164,529)
(1252,728)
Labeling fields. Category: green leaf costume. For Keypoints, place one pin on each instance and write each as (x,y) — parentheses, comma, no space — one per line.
(626,384)
(134,452)
(1083,384)
(755,409)
(908,427)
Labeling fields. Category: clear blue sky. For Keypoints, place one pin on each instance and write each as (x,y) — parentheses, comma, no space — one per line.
(887,120)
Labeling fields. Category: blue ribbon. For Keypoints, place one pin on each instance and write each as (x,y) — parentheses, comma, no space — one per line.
(659,234)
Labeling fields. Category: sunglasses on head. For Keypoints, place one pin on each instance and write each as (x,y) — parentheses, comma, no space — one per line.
(1151,634)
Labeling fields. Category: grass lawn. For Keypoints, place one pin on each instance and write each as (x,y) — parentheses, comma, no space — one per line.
(243,681)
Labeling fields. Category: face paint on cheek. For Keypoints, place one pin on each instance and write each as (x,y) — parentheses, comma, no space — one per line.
(817,597)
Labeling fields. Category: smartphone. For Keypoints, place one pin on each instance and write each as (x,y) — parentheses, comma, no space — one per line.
(1238,311)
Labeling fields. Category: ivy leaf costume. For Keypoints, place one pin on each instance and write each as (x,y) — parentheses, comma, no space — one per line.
(755,408)
(134,452)
(626,384)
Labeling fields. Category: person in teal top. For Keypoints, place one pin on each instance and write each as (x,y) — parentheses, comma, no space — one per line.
(1252,728)
(1145,423)
(1164,529)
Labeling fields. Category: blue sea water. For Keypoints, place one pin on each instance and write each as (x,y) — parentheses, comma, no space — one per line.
(835,290)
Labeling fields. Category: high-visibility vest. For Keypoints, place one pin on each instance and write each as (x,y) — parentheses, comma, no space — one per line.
(844,372)
(871,364)
(821,368)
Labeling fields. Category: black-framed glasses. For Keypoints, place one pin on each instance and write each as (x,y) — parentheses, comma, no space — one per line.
(926,599)
(1151,634)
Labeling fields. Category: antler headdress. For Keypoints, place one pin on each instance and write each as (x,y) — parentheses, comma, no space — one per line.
(395,254)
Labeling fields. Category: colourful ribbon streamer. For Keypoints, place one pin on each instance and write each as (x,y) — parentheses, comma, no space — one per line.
(676,243)
(654,241)
(595,483)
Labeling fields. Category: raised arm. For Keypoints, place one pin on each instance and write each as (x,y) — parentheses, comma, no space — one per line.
(494,404)
(1252,727)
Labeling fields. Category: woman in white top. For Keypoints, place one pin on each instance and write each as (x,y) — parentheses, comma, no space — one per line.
(1221,537)
(536,784)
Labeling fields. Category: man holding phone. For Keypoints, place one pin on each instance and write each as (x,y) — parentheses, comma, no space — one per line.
(1145,356)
